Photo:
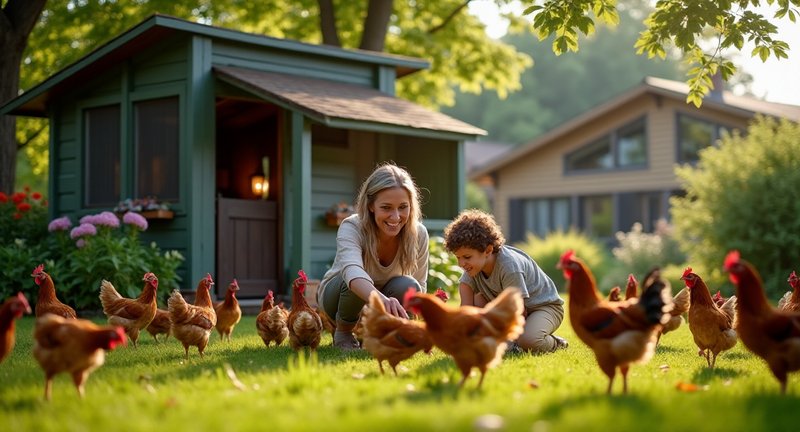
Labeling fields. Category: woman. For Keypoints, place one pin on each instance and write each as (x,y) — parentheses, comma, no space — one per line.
(383,247)
(490,266)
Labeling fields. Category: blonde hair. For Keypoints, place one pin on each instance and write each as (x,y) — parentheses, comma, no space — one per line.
(385,176)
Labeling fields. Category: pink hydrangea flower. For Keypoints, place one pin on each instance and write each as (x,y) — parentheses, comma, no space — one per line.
(59,224)
(135,219)
(84,229)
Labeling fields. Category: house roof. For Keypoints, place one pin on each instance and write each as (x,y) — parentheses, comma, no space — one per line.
(342,105)
(477,153)
(726,101)
(158,27)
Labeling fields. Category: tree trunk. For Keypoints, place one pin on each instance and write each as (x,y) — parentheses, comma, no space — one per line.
(16,22)
(327,23)
(376,25)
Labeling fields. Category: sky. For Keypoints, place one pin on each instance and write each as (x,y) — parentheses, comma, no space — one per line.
(774,80)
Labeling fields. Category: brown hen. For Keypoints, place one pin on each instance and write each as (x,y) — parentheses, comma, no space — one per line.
(192,324)
(131,314)
(47,302)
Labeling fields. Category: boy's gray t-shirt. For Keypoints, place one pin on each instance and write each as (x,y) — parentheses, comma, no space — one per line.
(514,267)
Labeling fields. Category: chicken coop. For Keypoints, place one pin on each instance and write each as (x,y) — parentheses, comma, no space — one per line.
(249,139)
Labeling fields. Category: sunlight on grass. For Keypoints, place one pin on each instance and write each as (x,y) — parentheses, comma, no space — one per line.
(242,385)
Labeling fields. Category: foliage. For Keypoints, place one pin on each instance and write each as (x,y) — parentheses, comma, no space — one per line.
(477,198)
(558,89)
(23,215)
(114,253)
(684,24)
(78,260)
(151,387)
(742,195)
(638,252)
(443,269)
(548,250)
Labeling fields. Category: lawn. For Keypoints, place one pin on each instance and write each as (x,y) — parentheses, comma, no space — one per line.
(242,385)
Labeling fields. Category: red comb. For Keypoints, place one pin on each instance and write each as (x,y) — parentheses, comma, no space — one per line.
(687,271)
(410,293)
(792,276)
(269,294)
(209,279)
(732,258)
(302,275)
(631,279)
(39,269)
(569,255)
(21,297)
(235,283)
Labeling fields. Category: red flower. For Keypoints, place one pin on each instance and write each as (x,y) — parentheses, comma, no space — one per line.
(17,216)
(36,195)
(18,197)
(23,207)
(3,197)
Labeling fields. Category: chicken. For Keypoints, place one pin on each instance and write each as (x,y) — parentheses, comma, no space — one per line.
(718,298)
(712,327)
(619,333)
(632,287)
(773,335)
(680,305)
(271,321)
(75,346)
(131,314)
(614,294)
(47,302)
(791,300)
(228,312)
(392,338)
(160,325)
(192,324)
(305,325)
(442,295)
(327,322)
(474,337)
(11,310)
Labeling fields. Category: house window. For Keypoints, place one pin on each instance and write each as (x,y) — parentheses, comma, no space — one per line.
(694,135)
(625,147)
(102,173)
(544,215)
(156,145)
(597,216)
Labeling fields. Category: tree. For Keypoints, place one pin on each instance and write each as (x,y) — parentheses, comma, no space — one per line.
(460,52)
(560,88)
(17,19)
(741,195)
(684,24)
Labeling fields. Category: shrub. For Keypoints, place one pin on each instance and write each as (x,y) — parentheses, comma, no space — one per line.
(443,269)
(103,249)
(638,252)
(23,215)
(547,252)
(742,195)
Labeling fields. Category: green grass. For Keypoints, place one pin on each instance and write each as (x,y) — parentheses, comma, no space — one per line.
(152,388)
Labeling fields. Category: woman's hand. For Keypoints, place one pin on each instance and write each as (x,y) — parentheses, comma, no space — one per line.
(394,307)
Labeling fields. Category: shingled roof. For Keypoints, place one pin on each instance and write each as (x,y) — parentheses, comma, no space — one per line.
(337,103)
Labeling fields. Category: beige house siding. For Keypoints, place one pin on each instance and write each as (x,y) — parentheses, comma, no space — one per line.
(540,173)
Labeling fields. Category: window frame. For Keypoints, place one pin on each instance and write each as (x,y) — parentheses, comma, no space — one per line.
(134,147)
(530,207)
(83,147)
(716,133)
(613,137)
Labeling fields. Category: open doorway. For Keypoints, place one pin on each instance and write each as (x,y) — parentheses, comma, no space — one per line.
(247,221)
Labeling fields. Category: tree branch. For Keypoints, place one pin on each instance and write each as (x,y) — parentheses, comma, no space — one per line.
(449,18)
(30,139)
(327,23)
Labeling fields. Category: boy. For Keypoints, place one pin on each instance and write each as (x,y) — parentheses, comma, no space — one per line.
(490,266)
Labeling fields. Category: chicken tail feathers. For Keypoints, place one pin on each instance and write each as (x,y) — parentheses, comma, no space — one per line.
(656,302)
(177,305)
(108,294)
(505,313)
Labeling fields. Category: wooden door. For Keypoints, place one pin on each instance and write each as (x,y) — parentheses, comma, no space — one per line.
(247,246)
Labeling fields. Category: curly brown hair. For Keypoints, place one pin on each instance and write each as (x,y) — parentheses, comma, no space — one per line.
(473,229)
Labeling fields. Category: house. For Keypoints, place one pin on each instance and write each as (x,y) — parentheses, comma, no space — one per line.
(613,165)
(250,139)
